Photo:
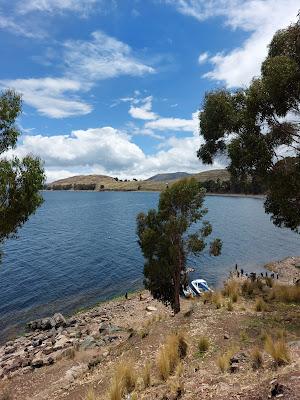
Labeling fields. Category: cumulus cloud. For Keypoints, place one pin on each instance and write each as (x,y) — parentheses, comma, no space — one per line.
(109,151)
(261,18)
(51,97)
(173,124)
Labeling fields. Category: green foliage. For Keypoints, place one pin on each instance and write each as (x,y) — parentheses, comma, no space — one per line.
(20,180)
(252,125)
(165,243)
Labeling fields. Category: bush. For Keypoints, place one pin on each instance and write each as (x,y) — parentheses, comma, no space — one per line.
(278,350)
(223,362)
(203,344)
(91,395)
(146,374)
(123,381)
(229,306)
(257,358)
(252,288)
(260,305)
(217,299)
(174,349)
(285,293)
(232,290)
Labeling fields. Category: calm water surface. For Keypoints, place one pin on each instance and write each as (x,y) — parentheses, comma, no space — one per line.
(81,248)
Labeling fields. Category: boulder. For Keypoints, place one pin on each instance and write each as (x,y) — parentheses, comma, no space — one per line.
(151,308)
(37,362)
(88,342)
(48,323)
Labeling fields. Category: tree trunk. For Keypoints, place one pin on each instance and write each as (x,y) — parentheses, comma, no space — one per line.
(176,306)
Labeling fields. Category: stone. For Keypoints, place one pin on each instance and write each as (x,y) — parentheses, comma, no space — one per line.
(75,371)
(234,367)
(61,343)
(226,336)
(88,342)
(151,308)
(37,362)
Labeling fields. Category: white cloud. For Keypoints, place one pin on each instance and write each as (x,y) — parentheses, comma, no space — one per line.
(85,63)
(102,57)
(19,28)
(50,96)
(144,110)
(83,7)
(202,58)
(173,124)
(109,151)
(261,18)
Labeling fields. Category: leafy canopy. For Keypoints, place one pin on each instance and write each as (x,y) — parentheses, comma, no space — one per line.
(20,180)
(258,128)
(166,239)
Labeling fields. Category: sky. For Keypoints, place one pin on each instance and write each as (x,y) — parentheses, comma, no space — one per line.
(114,87)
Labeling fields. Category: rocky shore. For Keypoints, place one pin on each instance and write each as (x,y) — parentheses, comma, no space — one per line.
(48,340)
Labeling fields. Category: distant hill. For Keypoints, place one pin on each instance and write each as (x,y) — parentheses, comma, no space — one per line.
(155,183)
(168,177)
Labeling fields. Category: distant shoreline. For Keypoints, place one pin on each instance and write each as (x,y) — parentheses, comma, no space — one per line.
(255,196)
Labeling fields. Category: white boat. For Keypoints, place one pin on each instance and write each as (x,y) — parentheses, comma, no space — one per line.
(196,288)
(199,286)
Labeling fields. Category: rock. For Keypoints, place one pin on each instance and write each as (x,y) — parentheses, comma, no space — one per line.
(151,308)
(104,327)
(88,342)
(37,362)
(61,343)
(226,336)
(48,323)
(234,367)
(75,371)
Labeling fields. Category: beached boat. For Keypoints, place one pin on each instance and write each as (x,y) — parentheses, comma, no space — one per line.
(196,288)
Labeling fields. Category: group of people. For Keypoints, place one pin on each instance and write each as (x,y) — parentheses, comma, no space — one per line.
(253,275)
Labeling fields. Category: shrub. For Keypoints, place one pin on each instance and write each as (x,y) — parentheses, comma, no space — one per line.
(278,350)
(251,288)
(146,374)
(232,289)
(285,293)
(203,344)
(123,381)
(260,305)
(170,353)
(230,306)
(257,358)
(91,395)
(269,281)
(217,299)
(223,362)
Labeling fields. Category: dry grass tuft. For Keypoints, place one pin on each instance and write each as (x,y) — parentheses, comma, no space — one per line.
(229,306)
(257,358)
(260,305)
(223,362)
(174,349)
(278,350)
(203,344)
(146,374)
(217,299)
(123,381)
(232,290)
(285,293)
(252,288)
(91,395)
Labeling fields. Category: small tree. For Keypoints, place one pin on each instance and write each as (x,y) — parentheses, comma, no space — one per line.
(20,180)
(165,243)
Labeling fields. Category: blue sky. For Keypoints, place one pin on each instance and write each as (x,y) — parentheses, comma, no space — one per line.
(114,86)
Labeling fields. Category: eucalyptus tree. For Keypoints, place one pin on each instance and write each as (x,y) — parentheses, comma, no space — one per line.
(169,234)
(258,128)
(20,179)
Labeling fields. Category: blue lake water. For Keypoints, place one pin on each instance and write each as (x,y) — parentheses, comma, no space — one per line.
(80,248)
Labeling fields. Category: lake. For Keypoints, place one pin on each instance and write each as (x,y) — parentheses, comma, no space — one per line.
(80,248)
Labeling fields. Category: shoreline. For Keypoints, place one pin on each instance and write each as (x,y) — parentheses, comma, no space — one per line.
(242,195)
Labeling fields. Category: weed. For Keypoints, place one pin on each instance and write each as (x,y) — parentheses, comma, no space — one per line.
(232,289)
(91,395)
(116,390)
(123,381)
(203,344)
(244,336)
(257,358)
(285,293)
(223,362)
(278,350)
(146,374)
(174,349)
(260,305)
(217,299)
(229,306)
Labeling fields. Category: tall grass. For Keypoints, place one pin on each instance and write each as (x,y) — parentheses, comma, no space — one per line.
(146,374)
(217,299)
(169,355)
(260,305)
(123,381)
(257,358)
(285,293)
(203,344)
(232,290)
(278,350)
